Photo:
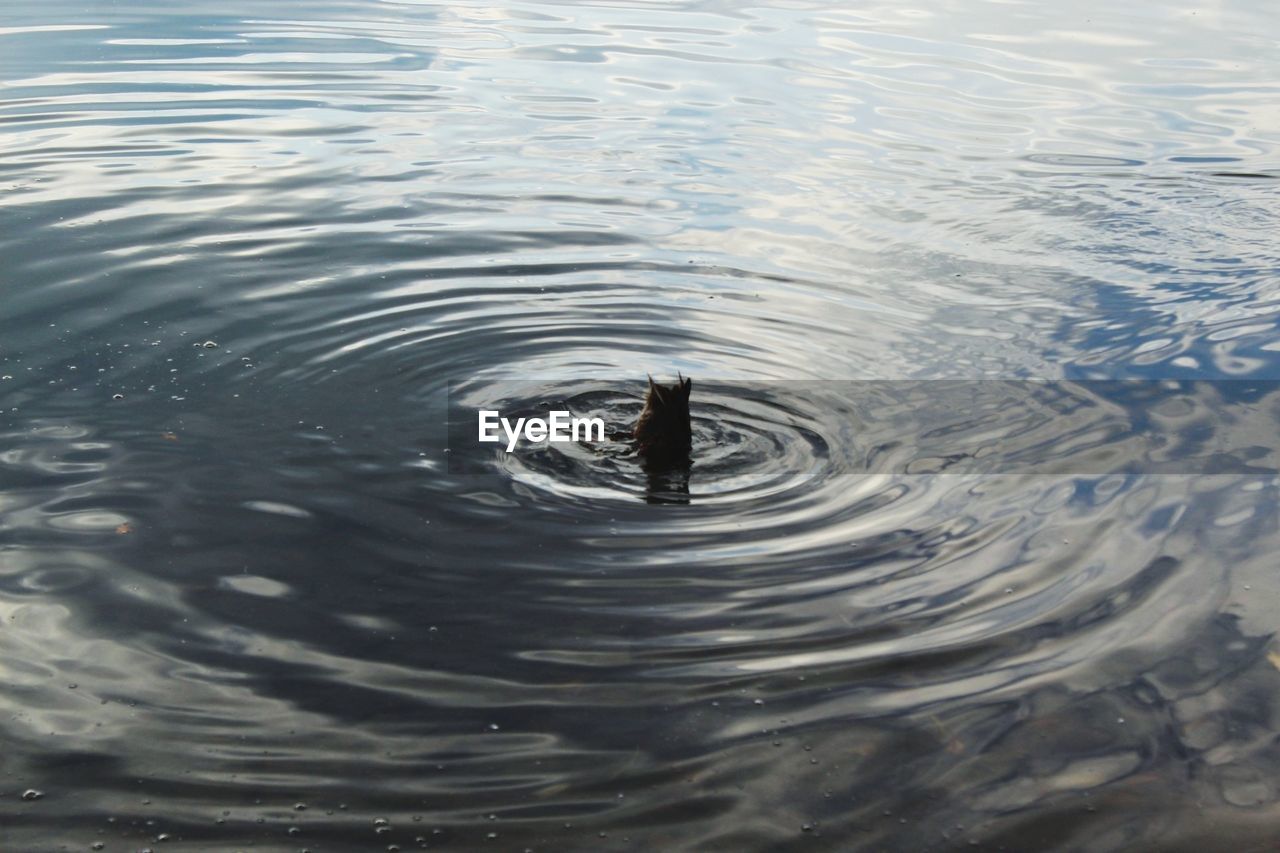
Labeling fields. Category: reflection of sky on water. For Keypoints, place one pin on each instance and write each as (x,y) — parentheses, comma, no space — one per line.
(242,577)
(943,157)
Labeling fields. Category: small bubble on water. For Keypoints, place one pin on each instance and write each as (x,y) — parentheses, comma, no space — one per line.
(208,344)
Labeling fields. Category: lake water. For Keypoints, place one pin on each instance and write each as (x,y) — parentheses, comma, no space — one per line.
(254,253)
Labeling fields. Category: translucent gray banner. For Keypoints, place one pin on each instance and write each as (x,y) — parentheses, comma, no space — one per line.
(899,426)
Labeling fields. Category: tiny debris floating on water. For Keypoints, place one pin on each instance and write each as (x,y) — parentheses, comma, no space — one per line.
(208,344)
(32,794)
(124,528)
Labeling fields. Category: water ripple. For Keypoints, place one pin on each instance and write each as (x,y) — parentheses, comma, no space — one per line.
(248,599)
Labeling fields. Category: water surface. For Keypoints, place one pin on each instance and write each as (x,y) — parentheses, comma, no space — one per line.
(247,603)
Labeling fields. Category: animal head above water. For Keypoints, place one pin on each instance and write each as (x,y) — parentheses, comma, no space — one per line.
(663,433)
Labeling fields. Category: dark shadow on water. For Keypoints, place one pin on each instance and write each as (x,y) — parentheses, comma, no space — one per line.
(668,484)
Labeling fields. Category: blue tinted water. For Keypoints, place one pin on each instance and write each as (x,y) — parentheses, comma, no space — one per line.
(246,602)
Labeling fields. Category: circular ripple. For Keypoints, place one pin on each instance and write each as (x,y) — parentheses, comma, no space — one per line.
(745,449)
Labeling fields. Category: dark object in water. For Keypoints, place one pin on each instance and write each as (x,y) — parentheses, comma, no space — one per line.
(1244,175)
(662,433)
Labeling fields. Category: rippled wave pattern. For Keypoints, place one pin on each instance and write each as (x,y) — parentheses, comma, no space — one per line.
(245,600)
